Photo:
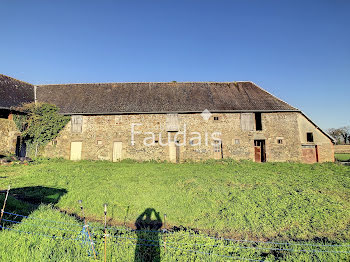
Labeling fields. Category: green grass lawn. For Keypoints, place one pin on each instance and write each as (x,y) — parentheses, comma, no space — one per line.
(49,235)
(342,157)
(242,200)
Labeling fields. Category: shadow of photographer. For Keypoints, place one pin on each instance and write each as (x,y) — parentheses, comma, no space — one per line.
(148,236)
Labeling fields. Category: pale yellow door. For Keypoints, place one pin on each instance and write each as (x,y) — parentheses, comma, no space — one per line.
(217,149)
(117,151)
(75,150)
(172,152)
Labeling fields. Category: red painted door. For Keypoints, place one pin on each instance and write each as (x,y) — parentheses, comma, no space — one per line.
(309,155)
(257,153)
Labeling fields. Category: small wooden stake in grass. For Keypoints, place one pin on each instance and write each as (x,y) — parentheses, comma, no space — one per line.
(105,205)
(3,207)
(87,227)
(164,232)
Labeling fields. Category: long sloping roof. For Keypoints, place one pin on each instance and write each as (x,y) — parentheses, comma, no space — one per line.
(108,98)
(14,93)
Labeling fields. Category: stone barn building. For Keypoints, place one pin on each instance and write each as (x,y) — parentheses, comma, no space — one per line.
(13,93)
(169,121)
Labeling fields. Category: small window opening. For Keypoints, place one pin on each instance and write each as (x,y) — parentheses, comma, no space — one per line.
(216,118)
(310,137)
(258,123)
(118,120)
(279,141)
(156,141)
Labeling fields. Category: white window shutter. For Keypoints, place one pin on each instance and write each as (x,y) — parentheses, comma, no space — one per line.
(247,121)
(77,123)
(172,123)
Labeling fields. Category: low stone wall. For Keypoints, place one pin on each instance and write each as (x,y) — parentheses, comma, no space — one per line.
(8,136)
(342,149)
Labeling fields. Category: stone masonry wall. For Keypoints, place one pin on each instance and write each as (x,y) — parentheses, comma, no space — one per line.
(99,132)
(342,149)
(8,136)
(324,144)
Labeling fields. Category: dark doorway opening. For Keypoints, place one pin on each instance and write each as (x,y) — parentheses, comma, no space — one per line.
(21,147)
(4,114)
(260,150)
(258,123)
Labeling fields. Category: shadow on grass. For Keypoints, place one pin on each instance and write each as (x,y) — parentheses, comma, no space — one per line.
(25,200)
(147,226)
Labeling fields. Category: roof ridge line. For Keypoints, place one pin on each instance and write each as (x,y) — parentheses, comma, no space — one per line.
(185,82)
(17,79)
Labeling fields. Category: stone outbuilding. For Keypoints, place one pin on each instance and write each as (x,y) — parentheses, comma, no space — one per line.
(13,93)
(171,121)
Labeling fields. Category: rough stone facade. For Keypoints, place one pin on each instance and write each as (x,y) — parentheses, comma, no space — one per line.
(325,147)
(247,122)
(8,136)
(283,132)
(342,149)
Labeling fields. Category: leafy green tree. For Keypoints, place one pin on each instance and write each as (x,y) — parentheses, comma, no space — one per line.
(40,123)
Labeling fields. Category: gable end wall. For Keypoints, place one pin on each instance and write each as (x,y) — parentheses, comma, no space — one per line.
(325,146)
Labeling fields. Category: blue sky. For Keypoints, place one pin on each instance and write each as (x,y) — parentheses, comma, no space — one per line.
(297,50)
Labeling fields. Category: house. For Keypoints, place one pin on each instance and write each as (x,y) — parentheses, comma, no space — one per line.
(170,121)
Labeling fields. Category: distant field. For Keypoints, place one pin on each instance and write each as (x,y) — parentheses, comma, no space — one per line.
(342,157)
(241,200)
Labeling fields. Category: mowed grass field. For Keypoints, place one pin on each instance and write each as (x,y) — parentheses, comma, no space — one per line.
(291,202)
(342,157)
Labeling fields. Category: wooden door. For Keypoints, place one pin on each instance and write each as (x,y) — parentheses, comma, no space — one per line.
(75,150)
(257,153)
(217,149)
(177,154)
(172,152)
(117,151)
(309,154)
